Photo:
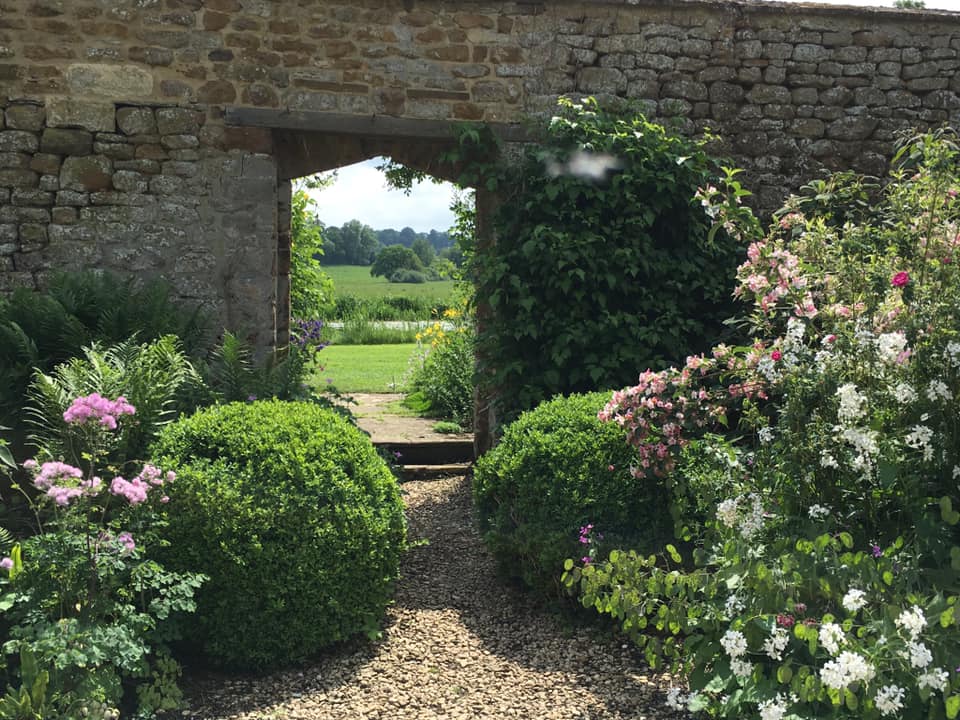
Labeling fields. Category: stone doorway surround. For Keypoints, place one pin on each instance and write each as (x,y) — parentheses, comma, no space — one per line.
(306,143)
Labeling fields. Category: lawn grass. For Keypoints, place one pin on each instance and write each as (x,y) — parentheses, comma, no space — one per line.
(364,368)
(356,280)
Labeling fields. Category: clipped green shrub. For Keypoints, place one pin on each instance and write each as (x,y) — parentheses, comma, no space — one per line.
(557,470)
(408,276)
(297,522)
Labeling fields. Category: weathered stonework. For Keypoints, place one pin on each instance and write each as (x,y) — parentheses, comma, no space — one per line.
(114,151)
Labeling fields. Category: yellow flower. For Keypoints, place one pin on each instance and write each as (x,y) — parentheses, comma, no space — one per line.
(419,337)
(451,313)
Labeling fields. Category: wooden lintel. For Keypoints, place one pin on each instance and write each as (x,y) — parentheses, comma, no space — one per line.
(369,125)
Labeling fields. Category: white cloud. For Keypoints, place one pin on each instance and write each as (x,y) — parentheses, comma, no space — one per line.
(361,193)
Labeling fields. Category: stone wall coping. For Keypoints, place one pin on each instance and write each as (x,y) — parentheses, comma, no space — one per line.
(771,7)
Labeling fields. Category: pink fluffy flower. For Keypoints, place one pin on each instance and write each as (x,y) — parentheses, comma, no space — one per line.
(104,411)
(900,279)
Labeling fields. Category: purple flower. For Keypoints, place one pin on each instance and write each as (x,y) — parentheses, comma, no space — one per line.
(6,564)
(585,560)
(126,539)
(875,549)
(251,398)
(397,454)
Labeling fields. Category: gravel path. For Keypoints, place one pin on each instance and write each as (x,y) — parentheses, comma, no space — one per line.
(457,645)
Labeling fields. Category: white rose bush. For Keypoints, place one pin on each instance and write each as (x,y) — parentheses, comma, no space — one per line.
(815,469)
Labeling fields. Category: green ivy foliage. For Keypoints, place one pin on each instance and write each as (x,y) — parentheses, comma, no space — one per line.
(603,260)
(295,519)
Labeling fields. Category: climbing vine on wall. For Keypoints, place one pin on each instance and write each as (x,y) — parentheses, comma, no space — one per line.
(604,264)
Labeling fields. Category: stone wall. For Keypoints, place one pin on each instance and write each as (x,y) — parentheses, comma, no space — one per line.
(146,190)
(114,151)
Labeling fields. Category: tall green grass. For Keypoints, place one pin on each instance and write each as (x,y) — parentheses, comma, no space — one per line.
(360,331)
(357,294)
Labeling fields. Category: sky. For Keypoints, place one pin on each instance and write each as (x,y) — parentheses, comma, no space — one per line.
(361,193)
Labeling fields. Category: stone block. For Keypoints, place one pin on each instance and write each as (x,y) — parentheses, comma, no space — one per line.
(25,116)
(50,183)
(808,52)
(33,234)
(807,128)
(129,181)
(84,114)
(764,94)
(117,82)
(925,84)
(8,235)
(601,80)
(114,151)
(836,96)
(177,121)
(34,198)
(686,89)
(146,167)
(14,160)
(18,178)
(18,141)
(63,215)
(45,163)
(63,141)
(86,174)
(179,142)
(73,198)
(851,128)
(136,121)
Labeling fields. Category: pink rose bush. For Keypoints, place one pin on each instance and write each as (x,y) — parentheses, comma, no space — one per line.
(820,463)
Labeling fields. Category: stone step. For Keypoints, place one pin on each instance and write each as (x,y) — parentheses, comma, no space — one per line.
(434,472)
(429,452)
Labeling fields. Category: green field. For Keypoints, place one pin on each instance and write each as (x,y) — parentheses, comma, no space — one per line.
(356,280)
(364,368)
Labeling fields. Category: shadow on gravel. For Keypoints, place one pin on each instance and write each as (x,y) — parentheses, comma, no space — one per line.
(455,571)
(452,572)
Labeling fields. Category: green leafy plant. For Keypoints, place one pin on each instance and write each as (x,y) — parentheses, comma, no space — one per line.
(556,471)
(394,258)
(41,330)
(89,618)
(443,368)
(825,580)
(152,376)
(311,289)
(604,260)
(295,519)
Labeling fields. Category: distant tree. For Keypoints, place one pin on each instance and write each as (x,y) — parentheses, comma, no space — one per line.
(407,236)
(423,250)
(452,254)
(332,250)
(389,236)
(910,4)
(393,258)
(439,240)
